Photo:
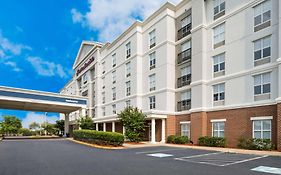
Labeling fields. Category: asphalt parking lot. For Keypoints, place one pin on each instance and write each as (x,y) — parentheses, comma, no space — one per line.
(52,157)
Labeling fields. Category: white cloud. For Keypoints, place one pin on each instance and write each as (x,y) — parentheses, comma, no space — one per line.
(7,47)
(13,65)
(111,17)
(38,118)
(48,68)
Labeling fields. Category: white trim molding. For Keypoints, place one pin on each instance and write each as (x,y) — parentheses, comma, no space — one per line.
(218,120)
(262,118)
(184,122)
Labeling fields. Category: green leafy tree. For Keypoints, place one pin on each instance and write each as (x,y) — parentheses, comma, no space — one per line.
(86,123)
(60,126)
(25,132)
(49,128)
(10,125)
(134,122)
(34,126)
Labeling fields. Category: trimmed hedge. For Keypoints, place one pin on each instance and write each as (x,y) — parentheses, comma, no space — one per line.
(177,139)
(99,137)
(212,141)
(255,144)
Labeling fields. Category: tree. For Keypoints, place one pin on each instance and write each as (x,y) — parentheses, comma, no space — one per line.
(60,126)
(134,122)
(34,126)
(48,127)
(86,123)
(10,125)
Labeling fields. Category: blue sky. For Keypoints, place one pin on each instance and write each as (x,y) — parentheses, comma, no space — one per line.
(39,40)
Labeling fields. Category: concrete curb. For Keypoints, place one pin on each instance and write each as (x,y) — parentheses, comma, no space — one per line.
(228,150)
(94,145)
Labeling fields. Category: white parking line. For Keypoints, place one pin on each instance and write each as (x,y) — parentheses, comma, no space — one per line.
(156,151)
(246,160)
(200,155)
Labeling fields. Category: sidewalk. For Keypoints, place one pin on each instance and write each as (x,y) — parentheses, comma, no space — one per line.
(227,150)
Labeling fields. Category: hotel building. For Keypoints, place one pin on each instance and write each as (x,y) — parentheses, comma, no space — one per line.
(201,67)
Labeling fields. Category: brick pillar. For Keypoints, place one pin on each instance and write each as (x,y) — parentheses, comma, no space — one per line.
(198,125)
(279,126)
(171,125)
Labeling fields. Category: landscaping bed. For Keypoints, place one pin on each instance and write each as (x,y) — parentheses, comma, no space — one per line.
(99,137)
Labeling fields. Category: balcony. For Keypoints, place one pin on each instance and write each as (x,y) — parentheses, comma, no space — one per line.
(184,31)
(184,80)
(184,105)
(184,56)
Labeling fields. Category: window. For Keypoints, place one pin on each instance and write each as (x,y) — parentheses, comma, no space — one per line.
(185,71)
(218,129)
(262,129)
(128,88)
(262,84)
(128,69)
(103,67)
(114,93)
(103,97)
(114,77)
(114,108)
(152,60)
(185,129)
(128,50)
(103,111)
(219,6)
(219,35)
(185,95)
(128,103)
(185,21)
(85,78)
(152,102)
(185,46)
(262,15)
(218,92)
(219,63)
(113,60)
(262,48)
(152,82)
(103,82)
(152,39)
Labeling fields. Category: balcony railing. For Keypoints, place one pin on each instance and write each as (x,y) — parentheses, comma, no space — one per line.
(184,80)
(184,56)
(184,105)
(184,31)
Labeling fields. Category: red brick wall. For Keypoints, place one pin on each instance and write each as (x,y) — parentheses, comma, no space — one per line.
(279,127)
(171,125)
(198,125)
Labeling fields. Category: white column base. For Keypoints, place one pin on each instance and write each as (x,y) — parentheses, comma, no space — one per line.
(104,127)
(153,139)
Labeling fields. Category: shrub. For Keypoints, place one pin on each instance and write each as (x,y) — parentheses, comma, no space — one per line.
(212,141)
(99,137)
(255,144)
(25,132)
(177,139)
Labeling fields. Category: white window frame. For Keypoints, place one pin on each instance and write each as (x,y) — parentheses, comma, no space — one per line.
(217,3)
(261,119)
(128,103)
(103,97)
(114,109)
(187,123)
(113,76)
(103,111)
(114,60)
(186,21)
(114,93)
(152,38)
(262,47)
(152,82)
(152,102)
(85,78)
(261,5)
(219,33)
(219,130)
(128,88)
(128,50)
(103,67)
(128,69)
(262,83)
(221,89)
(152,60)
(219,60)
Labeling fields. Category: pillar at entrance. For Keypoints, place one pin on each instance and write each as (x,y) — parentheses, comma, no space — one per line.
(163,133)
(66,125)
(104,127)
(97,126)
(113,127)
(153,140)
